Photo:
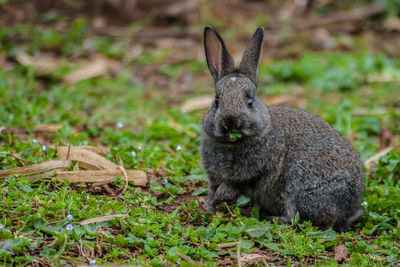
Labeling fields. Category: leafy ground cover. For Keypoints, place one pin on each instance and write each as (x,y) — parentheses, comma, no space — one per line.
(355,91)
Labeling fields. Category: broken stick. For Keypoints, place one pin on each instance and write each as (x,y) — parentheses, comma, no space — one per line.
(103,176)
(37,168)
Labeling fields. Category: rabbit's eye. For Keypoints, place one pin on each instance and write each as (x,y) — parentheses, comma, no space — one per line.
(250,102)
(216,101)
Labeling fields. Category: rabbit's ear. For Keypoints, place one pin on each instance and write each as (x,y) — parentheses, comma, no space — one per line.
(252,56)
(219,59)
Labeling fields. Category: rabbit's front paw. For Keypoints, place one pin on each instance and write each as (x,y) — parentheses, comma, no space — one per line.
(209,206)
(279,219)
(226,193)
(219,194)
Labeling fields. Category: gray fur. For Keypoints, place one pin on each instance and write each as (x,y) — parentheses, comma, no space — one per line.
(287,160)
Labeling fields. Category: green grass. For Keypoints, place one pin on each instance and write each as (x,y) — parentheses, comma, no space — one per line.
(40,219)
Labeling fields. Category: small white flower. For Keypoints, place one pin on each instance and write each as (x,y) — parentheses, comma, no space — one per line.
(44,148)
(365,203)
(133,154)
(1,226)
(139,148)
(92,262)
(34,141)
(69,227)
(178,147)
(120,124)
(183,111)
(87,197)
(70,217)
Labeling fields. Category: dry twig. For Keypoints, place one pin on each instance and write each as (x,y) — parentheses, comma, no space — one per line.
(37,168)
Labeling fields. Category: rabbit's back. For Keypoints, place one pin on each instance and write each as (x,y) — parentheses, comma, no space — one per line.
(308,136)
(322,174)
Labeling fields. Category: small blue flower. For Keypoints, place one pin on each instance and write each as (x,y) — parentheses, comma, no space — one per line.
(164,181)
(92,262)
(178,147)
(365,203)
(87,197)
(120,124)
(1,226)
(183,111)
(133,154)
(69,227)
(44,148)
(70,217)
(139,148)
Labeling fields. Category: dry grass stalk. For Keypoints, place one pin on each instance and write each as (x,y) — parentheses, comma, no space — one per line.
(102,219)
(228,245)
(187,259)
(37,168)
(238,254)
(373,161)
(126,181)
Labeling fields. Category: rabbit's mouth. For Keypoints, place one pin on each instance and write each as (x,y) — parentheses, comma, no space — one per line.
(233,137)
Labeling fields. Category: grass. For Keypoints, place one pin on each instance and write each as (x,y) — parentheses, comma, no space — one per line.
(354,91)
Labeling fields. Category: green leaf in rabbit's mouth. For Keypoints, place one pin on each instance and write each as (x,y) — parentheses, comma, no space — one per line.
(234,136)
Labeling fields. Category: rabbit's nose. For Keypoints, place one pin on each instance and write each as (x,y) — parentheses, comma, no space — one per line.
(229,123)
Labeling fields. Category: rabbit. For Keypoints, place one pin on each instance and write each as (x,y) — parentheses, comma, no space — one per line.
(283,158)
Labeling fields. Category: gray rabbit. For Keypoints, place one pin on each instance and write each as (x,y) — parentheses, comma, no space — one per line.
(284,158)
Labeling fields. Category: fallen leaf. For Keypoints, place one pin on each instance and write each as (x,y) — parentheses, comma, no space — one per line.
(392,23)
(37,168)
(321,38)
(340,253)
(98,66)
(197,103)
(41,64)
(101,150)
(275,100)
(76,167)
(51,128)
(103,176)
(102,218)
(251,259)
(177,127)
(87,159)
(373,161)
